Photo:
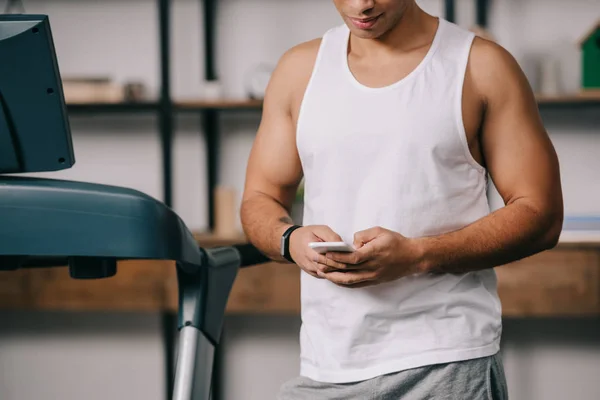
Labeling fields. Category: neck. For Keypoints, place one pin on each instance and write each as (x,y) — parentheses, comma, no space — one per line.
(414,29)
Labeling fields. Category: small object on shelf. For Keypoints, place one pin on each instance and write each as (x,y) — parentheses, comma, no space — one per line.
(213,90)
(135,92)
(257,81)
(549,77)
(225,213)
(92,90)
(14,7)
(590,49)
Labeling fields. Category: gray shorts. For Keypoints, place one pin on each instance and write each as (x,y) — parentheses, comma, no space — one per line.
(477,379)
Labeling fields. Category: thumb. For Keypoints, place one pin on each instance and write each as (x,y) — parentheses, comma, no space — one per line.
(363,237)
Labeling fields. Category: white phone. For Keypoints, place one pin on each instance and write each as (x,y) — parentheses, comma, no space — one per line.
(324,247)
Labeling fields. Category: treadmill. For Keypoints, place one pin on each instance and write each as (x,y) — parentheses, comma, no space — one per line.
(90,227)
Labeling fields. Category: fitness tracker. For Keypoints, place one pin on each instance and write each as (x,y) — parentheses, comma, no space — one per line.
(285,242)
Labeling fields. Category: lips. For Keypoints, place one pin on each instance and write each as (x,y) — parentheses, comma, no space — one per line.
(365,23)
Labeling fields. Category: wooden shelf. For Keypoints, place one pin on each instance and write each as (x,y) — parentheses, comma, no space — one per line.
(208,240)
(591,98)
(180,106)
(112,107)
(569,239)
(579,99)
(561,282)
(573,100)
(225,104)
(138,286)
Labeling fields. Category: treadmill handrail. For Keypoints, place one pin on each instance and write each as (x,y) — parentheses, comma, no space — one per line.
(250,255)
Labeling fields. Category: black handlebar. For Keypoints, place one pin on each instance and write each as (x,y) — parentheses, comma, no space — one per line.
(250,255)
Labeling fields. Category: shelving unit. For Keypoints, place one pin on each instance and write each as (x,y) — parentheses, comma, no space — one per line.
(163,107)
(209,111)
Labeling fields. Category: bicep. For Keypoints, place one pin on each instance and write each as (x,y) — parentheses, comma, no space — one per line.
(274,167)
(519,155)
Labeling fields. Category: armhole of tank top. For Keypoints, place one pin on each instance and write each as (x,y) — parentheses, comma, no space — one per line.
(460,123)
(310,81)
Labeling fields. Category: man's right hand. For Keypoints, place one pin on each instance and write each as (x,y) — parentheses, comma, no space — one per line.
(305,257)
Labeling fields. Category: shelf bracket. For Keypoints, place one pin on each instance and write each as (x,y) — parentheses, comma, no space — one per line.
(165,115)
(450,11)
(482,12)
(210,14)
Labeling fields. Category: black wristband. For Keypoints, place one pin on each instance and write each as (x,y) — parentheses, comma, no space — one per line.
(285,242)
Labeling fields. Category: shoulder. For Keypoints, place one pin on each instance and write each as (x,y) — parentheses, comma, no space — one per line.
(493,69)
(300,58)
(292,74)
(304,50)
(486,54)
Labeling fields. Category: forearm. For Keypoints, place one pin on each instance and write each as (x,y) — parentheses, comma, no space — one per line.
(264,220)
(509,234)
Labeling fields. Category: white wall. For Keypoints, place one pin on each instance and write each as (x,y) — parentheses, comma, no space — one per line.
(52,356)
(40,352)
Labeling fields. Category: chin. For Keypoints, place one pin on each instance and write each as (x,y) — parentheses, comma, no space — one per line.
(364,34)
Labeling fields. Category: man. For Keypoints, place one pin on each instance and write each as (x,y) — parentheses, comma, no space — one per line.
(395,119)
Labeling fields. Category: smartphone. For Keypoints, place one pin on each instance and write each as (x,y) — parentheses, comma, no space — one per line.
(324,247)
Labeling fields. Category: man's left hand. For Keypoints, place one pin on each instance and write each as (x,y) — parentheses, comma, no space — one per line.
(381,256)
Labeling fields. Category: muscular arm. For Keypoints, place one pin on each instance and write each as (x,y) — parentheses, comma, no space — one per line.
(274,170)
(523,166)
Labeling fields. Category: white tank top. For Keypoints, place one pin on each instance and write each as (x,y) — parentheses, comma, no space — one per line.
(395,157)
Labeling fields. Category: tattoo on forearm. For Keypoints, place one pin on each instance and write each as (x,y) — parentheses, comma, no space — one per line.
(286,220)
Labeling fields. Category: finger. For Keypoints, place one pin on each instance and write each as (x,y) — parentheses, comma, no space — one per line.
(357,257)
(324,269)
(368,264)
(322,259)
(326,265)
(339,267)
(313,273)
(312,269)
(363,237)
(350,278)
